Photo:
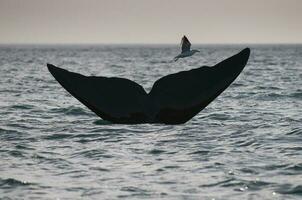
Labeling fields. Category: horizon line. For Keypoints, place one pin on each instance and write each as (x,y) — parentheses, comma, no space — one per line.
(136,43)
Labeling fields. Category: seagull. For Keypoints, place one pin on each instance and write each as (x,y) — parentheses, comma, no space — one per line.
(185,49)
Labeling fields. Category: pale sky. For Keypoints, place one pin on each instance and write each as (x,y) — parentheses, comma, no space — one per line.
(150,21)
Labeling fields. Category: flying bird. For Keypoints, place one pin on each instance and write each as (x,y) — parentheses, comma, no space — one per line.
(185,49)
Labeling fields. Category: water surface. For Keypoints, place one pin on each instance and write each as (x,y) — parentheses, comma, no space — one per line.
(245,145)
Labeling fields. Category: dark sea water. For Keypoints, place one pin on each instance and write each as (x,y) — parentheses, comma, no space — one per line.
(247,144)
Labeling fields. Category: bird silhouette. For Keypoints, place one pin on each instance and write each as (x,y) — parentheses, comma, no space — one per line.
(185,49)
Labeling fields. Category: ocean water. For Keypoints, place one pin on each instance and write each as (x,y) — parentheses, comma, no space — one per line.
(247,144)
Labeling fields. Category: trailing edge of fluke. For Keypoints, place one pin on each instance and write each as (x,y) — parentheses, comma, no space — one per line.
(173,99)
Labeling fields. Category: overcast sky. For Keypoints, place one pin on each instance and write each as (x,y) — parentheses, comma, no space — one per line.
(150,21)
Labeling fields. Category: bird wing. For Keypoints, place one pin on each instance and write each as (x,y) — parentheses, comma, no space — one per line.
(179,97)
(114,99)
(185,44)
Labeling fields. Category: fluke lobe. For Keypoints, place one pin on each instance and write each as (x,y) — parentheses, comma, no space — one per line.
(173,99)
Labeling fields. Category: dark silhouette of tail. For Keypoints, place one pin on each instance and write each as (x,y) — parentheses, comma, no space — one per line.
(173,99)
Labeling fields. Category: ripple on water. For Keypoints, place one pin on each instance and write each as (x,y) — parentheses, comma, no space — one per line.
(218,183)
(90,137)
(57,136)
(134,191)
(290,189)
(297,95)
(200,152)
(156,151)
(295,167)
(241,184)
(13,183)
(11,135)
(295,131)
(101,169)
(292,169)
(22,107)
(51,160)
(92,154)
(72,110)
(245,143)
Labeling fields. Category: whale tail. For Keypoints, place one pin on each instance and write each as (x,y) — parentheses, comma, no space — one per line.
(173,99)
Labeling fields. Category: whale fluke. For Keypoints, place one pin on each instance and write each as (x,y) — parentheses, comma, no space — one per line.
(173,99)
